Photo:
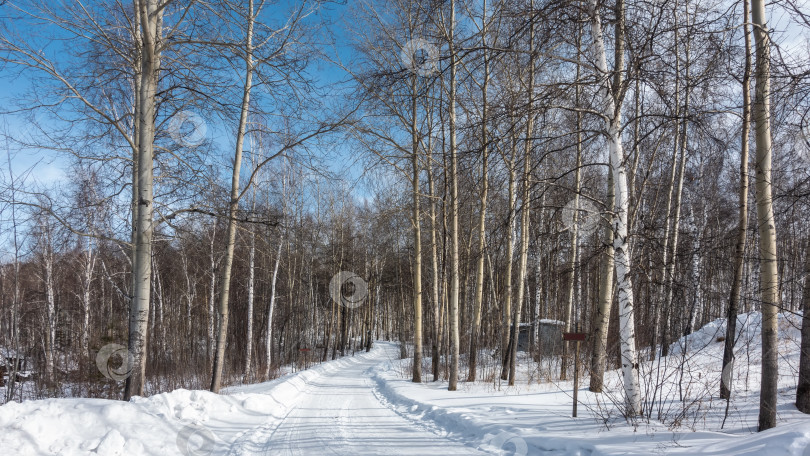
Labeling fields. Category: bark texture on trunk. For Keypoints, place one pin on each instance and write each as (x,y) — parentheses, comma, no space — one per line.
(225,278)
(271,306)
(251,293)
(601,316)
(150,22)
(454,235)
(416,221)
(611,105)
(525,209)
(506,329)
(482,214)
(434,253)
(766,225)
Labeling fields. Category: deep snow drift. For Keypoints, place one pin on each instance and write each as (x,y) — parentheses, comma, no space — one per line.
(365,405)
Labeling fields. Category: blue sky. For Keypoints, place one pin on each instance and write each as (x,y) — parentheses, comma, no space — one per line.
(48,167)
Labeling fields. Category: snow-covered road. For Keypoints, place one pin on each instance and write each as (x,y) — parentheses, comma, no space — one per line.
(334,408)
(339,414)
(366,405)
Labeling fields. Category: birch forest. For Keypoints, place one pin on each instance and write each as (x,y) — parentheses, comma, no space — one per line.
(215,193)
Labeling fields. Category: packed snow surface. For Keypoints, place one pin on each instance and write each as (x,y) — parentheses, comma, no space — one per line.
(366,405)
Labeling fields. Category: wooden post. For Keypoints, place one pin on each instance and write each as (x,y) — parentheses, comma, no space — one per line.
(578,338)
(576,378)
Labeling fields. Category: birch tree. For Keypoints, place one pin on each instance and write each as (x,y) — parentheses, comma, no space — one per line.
(482,211)
(742,223)
(766,225)
(612,95)
(45,251)
(573,262)
(601,315)
(525,211)
(149,19)
(225,278)
(449,29)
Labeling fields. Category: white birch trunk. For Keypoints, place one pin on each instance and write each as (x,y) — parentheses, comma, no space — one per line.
(250,297)
(659,307)
(434,250)
(224,313)
(454,235)
(50,303)
(766,225)
(525,207)
(612,116)
(506,317)
(482,214)
(268,347)
(416,221)
(742,224)
(150,22)
(212,294)
(87,280)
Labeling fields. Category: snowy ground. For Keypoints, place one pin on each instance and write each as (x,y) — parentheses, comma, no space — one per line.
(365,405)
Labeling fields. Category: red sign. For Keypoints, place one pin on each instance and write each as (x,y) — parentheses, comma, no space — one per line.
(303,349)
(573,336)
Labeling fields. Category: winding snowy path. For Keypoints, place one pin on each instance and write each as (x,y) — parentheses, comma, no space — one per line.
(339,414)
(362,405)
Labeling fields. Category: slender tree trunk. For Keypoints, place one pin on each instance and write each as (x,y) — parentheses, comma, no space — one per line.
(157,314)
(250,297)
(611,102)
(268,347)
(417,240)
(137,84)
(659,307)
(15,296)
(538,285)
(434,247)
(602,312)
(482,214)
(676,219)
(769,274)
(50,302)
(524,249)
(150,20)
(212,294)
(454,235)
(803,387)
(222,333)
(506,329)
(526,209)
(574,253)
(87,281)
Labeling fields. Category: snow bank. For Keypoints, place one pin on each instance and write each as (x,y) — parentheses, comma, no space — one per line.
(533,418)
(749,326)
(181,422)
(104,427)
(466,421)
